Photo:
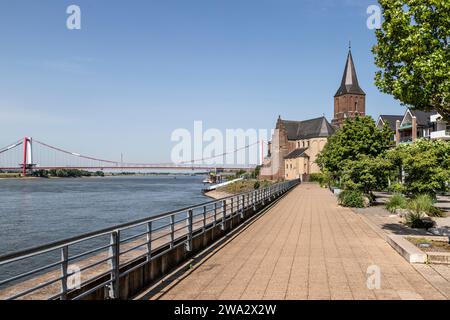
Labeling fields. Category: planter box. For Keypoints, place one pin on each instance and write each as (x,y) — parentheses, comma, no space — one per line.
(413,254)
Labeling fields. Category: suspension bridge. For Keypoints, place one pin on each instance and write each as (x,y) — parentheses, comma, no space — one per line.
(28,154)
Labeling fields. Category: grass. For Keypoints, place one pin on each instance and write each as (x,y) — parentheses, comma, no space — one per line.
(424,203)
(243,186)
(10,175)
(439,246)
(397,201)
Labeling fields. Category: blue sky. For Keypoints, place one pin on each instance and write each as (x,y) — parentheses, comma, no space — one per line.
(139,69)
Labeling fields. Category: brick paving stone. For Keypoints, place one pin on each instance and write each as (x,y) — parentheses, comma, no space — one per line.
(307,247)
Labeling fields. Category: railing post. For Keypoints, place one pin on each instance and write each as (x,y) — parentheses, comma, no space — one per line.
(172,230)
(149,241)
(190,230)
(204,218)
(64,267)
(231,213)
(114,253)
(243,206)
(215,213)
(224,213)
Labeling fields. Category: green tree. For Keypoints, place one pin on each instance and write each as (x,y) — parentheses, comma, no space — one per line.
(425,165)
(413,53)
(366,174)
(255,173)
(99,173)
(358,137)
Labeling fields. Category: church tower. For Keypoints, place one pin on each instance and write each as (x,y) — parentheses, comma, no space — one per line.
(350,99)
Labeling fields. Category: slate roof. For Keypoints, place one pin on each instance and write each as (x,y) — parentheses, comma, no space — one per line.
(391,120)
(423,118)
(313,128)
(297,153)
(349,84)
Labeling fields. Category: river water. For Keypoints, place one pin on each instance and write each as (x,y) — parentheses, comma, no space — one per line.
(38,211)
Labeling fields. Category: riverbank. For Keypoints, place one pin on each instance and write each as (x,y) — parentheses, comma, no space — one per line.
(18,176)
(237,188)
(216,194)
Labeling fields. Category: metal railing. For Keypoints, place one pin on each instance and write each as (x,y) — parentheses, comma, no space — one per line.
(103,265)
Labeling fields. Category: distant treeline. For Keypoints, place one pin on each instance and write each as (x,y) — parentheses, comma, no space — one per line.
(66,173)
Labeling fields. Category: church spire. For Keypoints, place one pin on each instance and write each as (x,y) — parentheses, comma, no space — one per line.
(349,84)
(350,99)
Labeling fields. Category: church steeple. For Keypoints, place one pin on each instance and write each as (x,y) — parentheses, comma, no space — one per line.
(350,99)
(349,83)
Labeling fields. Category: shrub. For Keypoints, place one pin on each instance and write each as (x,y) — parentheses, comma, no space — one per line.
(323,178)
(100,173)
(351,198)
(316,177)
(40,173)
(257,185)
(415,220)
(420,204)
(397,201)
(424,203)
(398,188)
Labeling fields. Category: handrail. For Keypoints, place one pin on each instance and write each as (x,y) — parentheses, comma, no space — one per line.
(198,218)
(89,235)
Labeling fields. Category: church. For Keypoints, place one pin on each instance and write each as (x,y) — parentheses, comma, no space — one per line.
(295,145)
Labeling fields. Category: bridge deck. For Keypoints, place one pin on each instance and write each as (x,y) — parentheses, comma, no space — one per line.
(305,247)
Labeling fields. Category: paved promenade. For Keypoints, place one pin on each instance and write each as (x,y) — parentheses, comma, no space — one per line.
(305,247)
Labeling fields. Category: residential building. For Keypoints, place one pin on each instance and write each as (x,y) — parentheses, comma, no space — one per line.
(417,124)
(391,121)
